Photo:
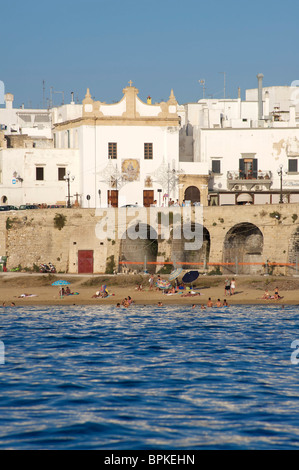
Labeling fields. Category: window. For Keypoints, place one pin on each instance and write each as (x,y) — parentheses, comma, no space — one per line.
(293,165)
(216,166)
(61,174)
(112,150)
(248,168)
(148,151)
(39,173)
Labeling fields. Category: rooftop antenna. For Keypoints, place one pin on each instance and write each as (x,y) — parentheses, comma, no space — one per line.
(202,82)
(44,104)
(224,84)
(62,92)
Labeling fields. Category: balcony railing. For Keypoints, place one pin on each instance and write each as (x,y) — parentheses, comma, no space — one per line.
(241,175)
(248,180)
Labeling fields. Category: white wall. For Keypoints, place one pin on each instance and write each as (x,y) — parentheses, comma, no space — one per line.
(24,162)
(130,145)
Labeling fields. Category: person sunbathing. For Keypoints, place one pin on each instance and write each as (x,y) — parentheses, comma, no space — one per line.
(266,295)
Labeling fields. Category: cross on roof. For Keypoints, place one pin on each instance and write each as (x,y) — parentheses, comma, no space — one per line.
(130,82)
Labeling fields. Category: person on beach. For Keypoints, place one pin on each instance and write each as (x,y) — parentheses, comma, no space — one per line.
(160,304)
(276,294)
(218,303)
(227,287)
(202,307)
(232,286)
(151,281)
(266,295)
(209,303)
(225,304)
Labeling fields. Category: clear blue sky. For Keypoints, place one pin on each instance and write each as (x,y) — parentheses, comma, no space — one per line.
(158,44)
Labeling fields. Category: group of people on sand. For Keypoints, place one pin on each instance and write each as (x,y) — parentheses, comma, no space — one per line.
(229,286)
(275,296)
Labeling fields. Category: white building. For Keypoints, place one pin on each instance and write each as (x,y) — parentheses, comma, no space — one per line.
(32,122)
(243,146)
(128,151)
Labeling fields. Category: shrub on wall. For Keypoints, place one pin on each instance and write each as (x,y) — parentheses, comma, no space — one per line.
(59,221)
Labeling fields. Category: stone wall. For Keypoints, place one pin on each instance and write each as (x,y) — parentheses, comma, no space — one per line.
(30,237)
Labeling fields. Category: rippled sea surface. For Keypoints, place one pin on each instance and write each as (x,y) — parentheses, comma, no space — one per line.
(98,377)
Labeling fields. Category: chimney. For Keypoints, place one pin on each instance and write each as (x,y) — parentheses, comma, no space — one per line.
(8,100)
(260,77)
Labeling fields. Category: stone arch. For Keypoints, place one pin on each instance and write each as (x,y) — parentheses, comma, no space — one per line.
(192,256)
(192,194)
(294,252)
(4,199)
(243,243)
(139,249)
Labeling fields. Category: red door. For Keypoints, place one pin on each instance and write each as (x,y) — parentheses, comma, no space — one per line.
(113,197)
(85,261)
(148,197)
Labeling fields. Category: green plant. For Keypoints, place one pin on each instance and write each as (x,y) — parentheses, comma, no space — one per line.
(8,223)
(215,272)
(59,221)
(110,265)
(275,215)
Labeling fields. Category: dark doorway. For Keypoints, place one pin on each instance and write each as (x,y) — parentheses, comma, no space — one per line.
(243,248)
(141,249)
(192,194)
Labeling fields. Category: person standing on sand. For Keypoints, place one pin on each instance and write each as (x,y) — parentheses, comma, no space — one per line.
(227,287)
(232,286)
(151,281)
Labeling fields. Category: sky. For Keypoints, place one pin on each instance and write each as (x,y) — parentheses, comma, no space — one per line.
(158,44)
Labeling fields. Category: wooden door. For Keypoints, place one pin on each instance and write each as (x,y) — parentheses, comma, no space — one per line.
(148,197)
(85,261)
(113,198)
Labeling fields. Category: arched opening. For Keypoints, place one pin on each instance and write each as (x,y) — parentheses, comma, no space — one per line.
(243,244)
(139,245)
(195,252)
(192,194)
(294,252)
(4,199)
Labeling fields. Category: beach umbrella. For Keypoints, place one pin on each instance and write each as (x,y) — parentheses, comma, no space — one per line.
(61,282)
(189,277)
(175,274)
(163,284)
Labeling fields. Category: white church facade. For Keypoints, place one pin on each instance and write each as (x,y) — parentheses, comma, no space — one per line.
(128,151)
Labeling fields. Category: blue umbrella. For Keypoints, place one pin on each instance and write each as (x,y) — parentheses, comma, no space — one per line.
(190,277)
(61,282)
(175,274)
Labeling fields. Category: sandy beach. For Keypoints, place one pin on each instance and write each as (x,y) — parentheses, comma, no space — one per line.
(36,289)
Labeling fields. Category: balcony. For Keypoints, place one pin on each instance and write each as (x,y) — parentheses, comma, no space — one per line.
(240,181)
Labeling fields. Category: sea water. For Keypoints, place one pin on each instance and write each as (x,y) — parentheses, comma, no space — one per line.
(147,377)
